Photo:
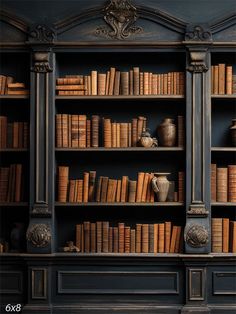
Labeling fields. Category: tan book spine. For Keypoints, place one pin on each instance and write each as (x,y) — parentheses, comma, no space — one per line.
(172,83)
(109,190)
(129,134)
(213,182)
(78,237)
(63,179)
(116,240)
(75,197)
(225,248)
(93,237)
(140,187)
(124,189)
(113,134)
(145,187)
(132,191)
(216,79)
(107,133)
(89,91)
(117,83)
(167,236)
(124,83)
(134,132)
(65,131)
(229,79)
(132,241)
(158,84)
(138,240)
(165,84)
(99,187)
(232,183)
(177,242)
(107,83)
(121,229)
(161,238)
(152,194)
(94,78)
(71,87)
(86,85)
(156,238)
(95,131)
(70,130)
(105,234)
(69,81)
(112,81)
(74,131)
(141,83)
(127,239)
(71,92)
(117,134)
(173,239)
(86,236)
(131,82)
(80,191)
(118,191)
(145,238)
(222,184)
(101,84)
(82,131)
(86,187)
(175,83)
(154,84)
(216,235)
(212,80)
(123,134)
(88,133)
(58,131)
(136,80)
(169,83)
(71,191)
(104,189)
(178,83)
(151,238)
(110,240)
(149,83)
(99,236)
(221,78)
(145,83)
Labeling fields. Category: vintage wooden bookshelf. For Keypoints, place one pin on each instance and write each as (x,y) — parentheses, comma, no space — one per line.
(39,276)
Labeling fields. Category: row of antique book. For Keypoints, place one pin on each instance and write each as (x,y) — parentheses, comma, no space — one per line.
(222,79)
(101,237)
(223,183)
(11,183)
(108,190)
(78,131)
(13,134)
(223,235)
(115,82)
(9,87)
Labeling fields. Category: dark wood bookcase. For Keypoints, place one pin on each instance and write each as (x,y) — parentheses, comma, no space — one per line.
(42,278)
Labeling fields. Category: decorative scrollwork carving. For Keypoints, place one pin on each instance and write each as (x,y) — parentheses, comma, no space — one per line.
(197,62)
(42,33)
(39,235)
(196,235)
(41,62)
(198,33)
(120,15)
(198,211)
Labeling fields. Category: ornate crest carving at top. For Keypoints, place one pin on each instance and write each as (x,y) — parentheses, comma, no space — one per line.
(120,15)
(42,34)
(198,33)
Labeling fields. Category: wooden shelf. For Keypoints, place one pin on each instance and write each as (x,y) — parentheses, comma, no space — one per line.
(15,150)
(233,204)
(13,204)
(223,149)
(126,149)
(14,97)
(233,96)
(122,97)
(99,204)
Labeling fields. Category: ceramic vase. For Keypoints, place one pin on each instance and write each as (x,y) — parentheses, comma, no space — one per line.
(167,133)
(160,186)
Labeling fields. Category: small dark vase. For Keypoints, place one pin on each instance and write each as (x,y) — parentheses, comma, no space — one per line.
(17,237)
(233,132)
(167,133)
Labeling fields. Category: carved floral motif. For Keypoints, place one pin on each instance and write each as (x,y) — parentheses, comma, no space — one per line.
(120,15)
(39,235)
(42,33)
(196,235)
(198,33)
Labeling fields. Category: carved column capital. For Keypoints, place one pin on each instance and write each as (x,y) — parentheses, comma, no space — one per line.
(41,62)
(196,235)
(197,60)
(39,235)
(197,210)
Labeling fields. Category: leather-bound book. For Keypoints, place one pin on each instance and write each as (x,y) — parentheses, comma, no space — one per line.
(124,189)
(151,238)
(71,92)
(129,134)
(216,79)
(123,134)
(173,239)
(94,82)
(158,84)
(118,191)
(110,188)
(110,240)
(168,83)
(8,137)
(71,191)
(145,238)
(75,131)
(132,191)
(89,87)
(4,183)
(141,83)
(113,192)
(105,232)
(86,93)
(221,78)
(86,187)
(88,133)
(115,240)
(92,181)
(154,84)
(213,182)
(80,190)
(181,186)
(212,80)
(113,134)
(104,189)
(181,83)
(225,245)
(177,243)
(87,236)
(136,80)
(222,185)
(117,134)
(181,132)
(216,235)
(132,241)
(99,236)
(107,83)
(99,188)
(58,131)
(131,82)
(161,238)
(145,83)
(167,236)
(121,229)
(117,83)
(78,237)
(101,84)
(165,84)
(93,237)
(138,240)
(95,131)
(15,135)
(145,187)
(139,187)
(82,238)
(232,183)
(107,132)
(233,236)
(82,131)
(127,239)
(134,132)
(140,127)
(69,80)
(229,79)
(63,180)
(156,238)
(175,83)
(150,83)
(112,81)
(3,132)
(70,131)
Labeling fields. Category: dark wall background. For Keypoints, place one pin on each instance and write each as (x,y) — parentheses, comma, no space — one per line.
(188,10)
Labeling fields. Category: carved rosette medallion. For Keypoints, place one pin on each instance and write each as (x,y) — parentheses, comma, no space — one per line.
(120,15)
(196,235)
(198,33)
(39,235)
(41,62)
(42,34)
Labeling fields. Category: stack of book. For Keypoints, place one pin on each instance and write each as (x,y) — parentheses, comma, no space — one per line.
(11,182)
(108,190)
(223,235)
(115,82)
(79,131)
(13,134)
(223,82)
(9,87)
(101,237)
(223,183)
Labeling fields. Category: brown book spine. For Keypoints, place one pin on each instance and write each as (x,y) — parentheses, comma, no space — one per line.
(216,235)
(92,182)
(63,179)
(95,131)
(167,236)
(132,191)
(129,134)
(145,187)
(109,190)
(123,134)
(78,237)
(65,129)
(82,238)
(156,227)
(134,132)
(117,83)
(161,238)
(177,243)
(121,229)
(112,81)
(138,240)
(88,133)
(212,80)
(233,236)
(18,183)
(93,237)
(124,189)
(80,190)
(71,191)
(152,194)
(71,92)
(127,239)
(113,134)
(136,80)
(74,131)
(229,79)
(154,84)
(158,84)
(86,187)
(104,189)
(94,82)
(140,187)
(140,127)
(105,233)
(110,240)
(82,131)
(151,238)
(145,83)
(181,186)
(132,241)
(145,238)
(101,84)
(221,78)
(69,81)
(107,83)
(169,83)
(225,248)
(5,179)
(173,239)
(99,187)
(131,82)
(69,130)
(181,132)
(15,135)
(99,236)
(26,135)
(89,91)
(107,132)
(232,183)
(3,132)
(70,87)
(222,184)
(116,240)
(118,191)
(86,93)
(141,83)
(216,79)
(117,134)
(213,182)
(165,84)
(149,83)
(58,131)
(87,237)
